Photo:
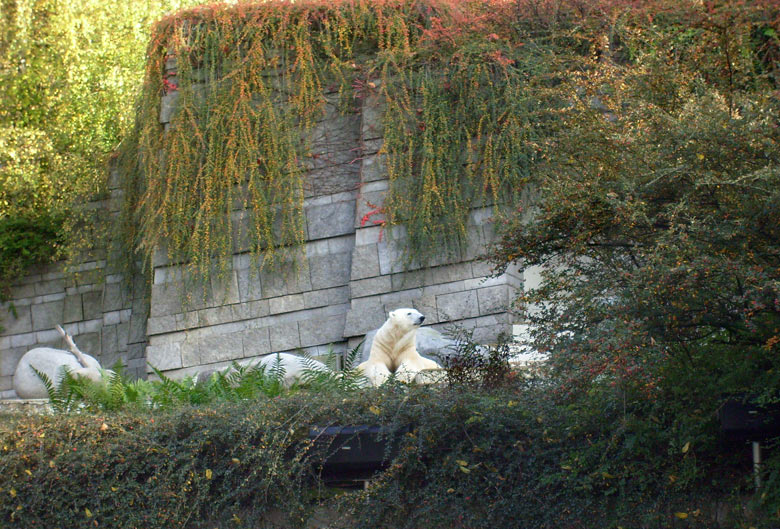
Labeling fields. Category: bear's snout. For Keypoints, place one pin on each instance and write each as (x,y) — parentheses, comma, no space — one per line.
(420,320)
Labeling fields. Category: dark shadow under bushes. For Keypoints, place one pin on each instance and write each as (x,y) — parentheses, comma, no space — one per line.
(510,457)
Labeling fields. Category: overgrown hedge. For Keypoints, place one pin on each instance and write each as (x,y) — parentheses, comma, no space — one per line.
(472,458)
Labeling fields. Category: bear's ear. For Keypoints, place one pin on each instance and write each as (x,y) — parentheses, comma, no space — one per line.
(391,314)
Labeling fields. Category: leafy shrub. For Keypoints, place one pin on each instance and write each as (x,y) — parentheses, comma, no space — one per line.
(468,458)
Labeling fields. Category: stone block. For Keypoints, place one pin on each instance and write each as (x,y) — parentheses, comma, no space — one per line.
(225,289)
(6,387)
(249,284)
(47,315)
(481,268)
(190,353)
(162,325)
(372,126)
(364,315)
(284,337)
(286,304)
(72,310)
(322,331)
(368,235)
(458,305)
(240,311)
(164,356)
(23,340)
(315,298)
(371,286)
(122,335)
(51,336)
(373,168)
(92,303)
(108,341)
(90,343)
(168,105)
(49,287)
(259,309)
(17,323)
(112,318)
(113,298)
(330,220)
(493,299)
(9,358)
(167,299)
(273,283)
(214,316)
(221,348)
(22,291)
(256,342)
(137,332)
(365,262)
(330,271)
(338,295)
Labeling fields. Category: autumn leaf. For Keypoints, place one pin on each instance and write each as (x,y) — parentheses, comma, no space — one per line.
(87,512)
(681,515)
(209,473)
(685,447)
(374,410)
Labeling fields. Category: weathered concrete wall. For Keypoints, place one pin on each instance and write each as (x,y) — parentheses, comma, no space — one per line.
(105,314)
(352,276)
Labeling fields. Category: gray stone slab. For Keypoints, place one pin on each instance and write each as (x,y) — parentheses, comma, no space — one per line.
(137,328)
(286,304)
(284,337)
(23,340)
(162,325)
(322,331)
(315,298)
(371,286)
(373,168)
(225,289)
(92,303)
(164,356)
(338,295)
(113,298)
(22,291)
(90,343)
(494,299)
(49,287)
(190,353)
(72,310)
(16,324)
(122,335)
(249,284)
(47,315)
(214,316)
(458,305)
(166,299)
(9,358)
(372,126)
(240,311)
(108,340)
(259,309)
(364,315)
(187,320)
(221,348)
(365,262)
(256,342)
(168,105)
(330,271)
(330,220)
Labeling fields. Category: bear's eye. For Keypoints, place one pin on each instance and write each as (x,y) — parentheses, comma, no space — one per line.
(408,313)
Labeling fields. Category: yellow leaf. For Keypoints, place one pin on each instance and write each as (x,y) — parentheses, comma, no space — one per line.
(26,471)
(51,464)
(103,427)
(209,473)
(42,436)
(235,460)
(12,492)
(700,156)
(672,478)
(374,410)
(450,491)
(236,518)
(87,512)
(607,475)
(681,515)
(685,447)
(465,470)
(566,467)
(462,462)
(114,489)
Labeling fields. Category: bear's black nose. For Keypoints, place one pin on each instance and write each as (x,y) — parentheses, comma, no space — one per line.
(422,319)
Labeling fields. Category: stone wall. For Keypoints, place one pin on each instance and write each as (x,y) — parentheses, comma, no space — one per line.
(103,311)
(353,273)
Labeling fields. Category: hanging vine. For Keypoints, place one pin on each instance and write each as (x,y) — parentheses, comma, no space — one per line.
(250,81)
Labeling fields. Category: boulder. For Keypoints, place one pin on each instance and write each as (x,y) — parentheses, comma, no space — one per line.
(52,363)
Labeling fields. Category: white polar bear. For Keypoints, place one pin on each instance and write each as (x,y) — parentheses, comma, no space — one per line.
(393,349)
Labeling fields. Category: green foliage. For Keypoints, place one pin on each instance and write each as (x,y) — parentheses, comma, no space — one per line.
(467,458)
(69,72)
(239,382)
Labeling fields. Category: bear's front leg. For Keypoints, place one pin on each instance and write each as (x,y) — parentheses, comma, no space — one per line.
(375,372)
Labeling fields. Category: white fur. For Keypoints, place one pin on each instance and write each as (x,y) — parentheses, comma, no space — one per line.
(394,351)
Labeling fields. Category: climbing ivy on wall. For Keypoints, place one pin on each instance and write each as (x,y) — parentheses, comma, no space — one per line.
(251,80)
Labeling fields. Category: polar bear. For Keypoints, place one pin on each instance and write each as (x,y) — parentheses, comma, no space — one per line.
(393,349)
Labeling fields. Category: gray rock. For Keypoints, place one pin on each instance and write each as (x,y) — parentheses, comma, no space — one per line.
(52,363)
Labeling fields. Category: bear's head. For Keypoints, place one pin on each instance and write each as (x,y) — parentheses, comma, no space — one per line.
(406,318)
